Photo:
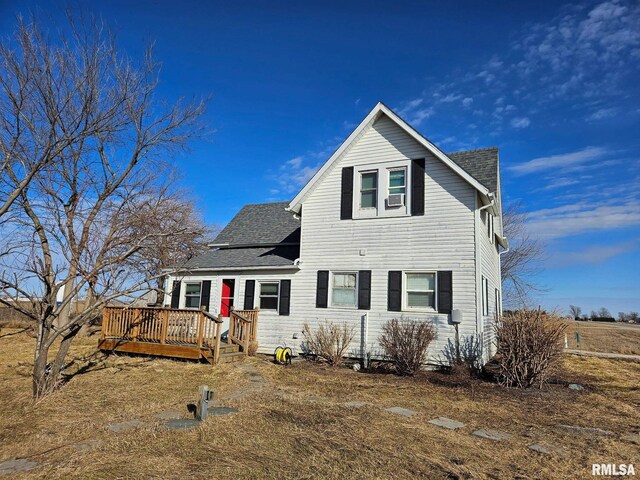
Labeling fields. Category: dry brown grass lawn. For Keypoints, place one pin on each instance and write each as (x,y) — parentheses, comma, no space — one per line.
(604,337)
(297,426)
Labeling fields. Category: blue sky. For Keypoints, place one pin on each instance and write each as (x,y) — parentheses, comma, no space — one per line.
(554,86)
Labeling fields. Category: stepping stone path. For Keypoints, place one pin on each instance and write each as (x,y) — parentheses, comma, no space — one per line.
(356,404)
(15,466)
(401,411)
(445,422)
(494,435)
(221,411)
(182,423)
(586,430)
(125,426)
(86,445)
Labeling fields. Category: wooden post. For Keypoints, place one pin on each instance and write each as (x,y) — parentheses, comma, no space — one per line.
(232,323)
(136,325)
(105,320)
(164,315)
(216,350)
(201,328)
(254,333)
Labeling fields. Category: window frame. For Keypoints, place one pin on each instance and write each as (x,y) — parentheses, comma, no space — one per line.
(498,303)
(277,295)
(405,291)
(490,228)
(356,289)
(361,190)
(382,169)
(405,185)
(186,285)
(485,296)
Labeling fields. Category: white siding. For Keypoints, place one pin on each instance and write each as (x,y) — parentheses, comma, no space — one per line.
(442,239)
(490,269)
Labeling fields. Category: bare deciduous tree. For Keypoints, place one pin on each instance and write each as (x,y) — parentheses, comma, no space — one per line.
(575,311)
(522,262)
(75,226)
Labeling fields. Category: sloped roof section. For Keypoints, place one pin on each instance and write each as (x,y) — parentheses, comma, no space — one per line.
(261,224)
(260,235)
(481,164)
(245,257)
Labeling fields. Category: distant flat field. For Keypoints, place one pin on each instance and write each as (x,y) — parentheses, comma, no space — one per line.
(604,337)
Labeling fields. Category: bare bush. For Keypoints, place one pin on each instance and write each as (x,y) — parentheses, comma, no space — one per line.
(468,355)
(329,341)
(405,343)
(528,347)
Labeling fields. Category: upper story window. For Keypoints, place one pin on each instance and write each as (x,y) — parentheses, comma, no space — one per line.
(269,295)
(369,189)
(344,289)
(192,295)
(397,187)
(382,190)
(420,290)
(490,227)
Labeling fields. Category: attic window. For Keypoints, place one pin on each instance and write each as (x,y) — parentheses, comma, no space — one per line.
(369,190)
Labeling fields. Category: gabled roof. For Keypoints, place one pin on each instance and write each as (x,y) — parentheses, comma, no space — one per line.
(482,164)
(261,235)
(261,224)
(379,110)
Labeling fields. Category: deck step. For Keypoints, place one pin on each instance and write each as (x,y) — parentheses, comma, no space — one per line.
(231,357)
(226,348)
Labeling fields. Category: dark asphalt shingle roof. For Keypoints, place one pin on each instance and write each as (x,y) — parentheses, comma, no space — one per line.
(260,235)
(261,224)
(246,257)
(481,164)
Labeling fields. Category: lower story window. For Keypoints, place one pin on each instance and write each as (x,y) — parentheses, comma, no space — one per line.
(269,295)
(343,290)
(192,295)
(420,291)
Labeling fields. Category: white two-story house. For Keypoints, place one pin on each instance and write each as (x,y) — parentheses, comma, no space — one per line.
(389,227)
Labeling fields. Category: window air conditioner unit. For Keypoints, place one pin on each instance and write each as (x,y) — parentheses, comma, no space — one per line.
(395,200)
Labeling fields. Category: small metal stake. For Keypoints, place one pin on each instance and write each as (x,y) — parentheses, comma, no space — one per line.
(458,360)
(203,402)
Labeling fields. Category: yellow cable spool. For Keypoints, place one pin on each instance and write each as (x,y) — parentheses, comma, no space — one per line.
(277,353)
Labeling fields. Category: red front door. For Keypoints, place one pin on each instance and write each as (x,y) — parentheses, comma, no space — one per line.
(228,289)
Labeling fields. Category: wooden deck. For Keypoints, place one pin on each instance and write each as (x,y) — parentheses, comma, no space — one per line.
(168,332)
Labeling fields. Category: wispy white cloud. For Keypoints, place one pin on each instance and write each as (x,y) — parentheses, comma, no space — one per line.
(602,113)
(595,254)
(572,159)
(582,217)
(520,122)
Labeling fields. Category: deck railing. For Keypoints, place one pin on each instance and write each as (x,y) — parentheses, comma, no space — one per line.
(161,325)
(243,326)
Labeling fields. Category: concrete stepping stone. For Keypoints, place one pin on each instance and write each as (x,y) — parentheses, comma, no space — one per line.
(546,448)
(182,423)
(125,426)
(405,412)
(10,467)
(356,404)
(494,435)
(237,395)
(586,430)
(169,415)
(87,445)
(445,422)
(220,411)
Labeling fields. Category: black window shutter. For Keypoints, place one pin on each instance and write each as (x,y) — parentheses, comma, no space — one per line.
(346,196)
(175,294)
(285,297)
(394,292)
(205,294)
(322,290)
(417,187)
(364,289)
(249,292)
(445,291)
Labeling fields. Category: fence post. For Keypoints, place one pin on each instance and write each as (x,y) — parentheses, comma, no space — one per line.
(163,328)
(216,350)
